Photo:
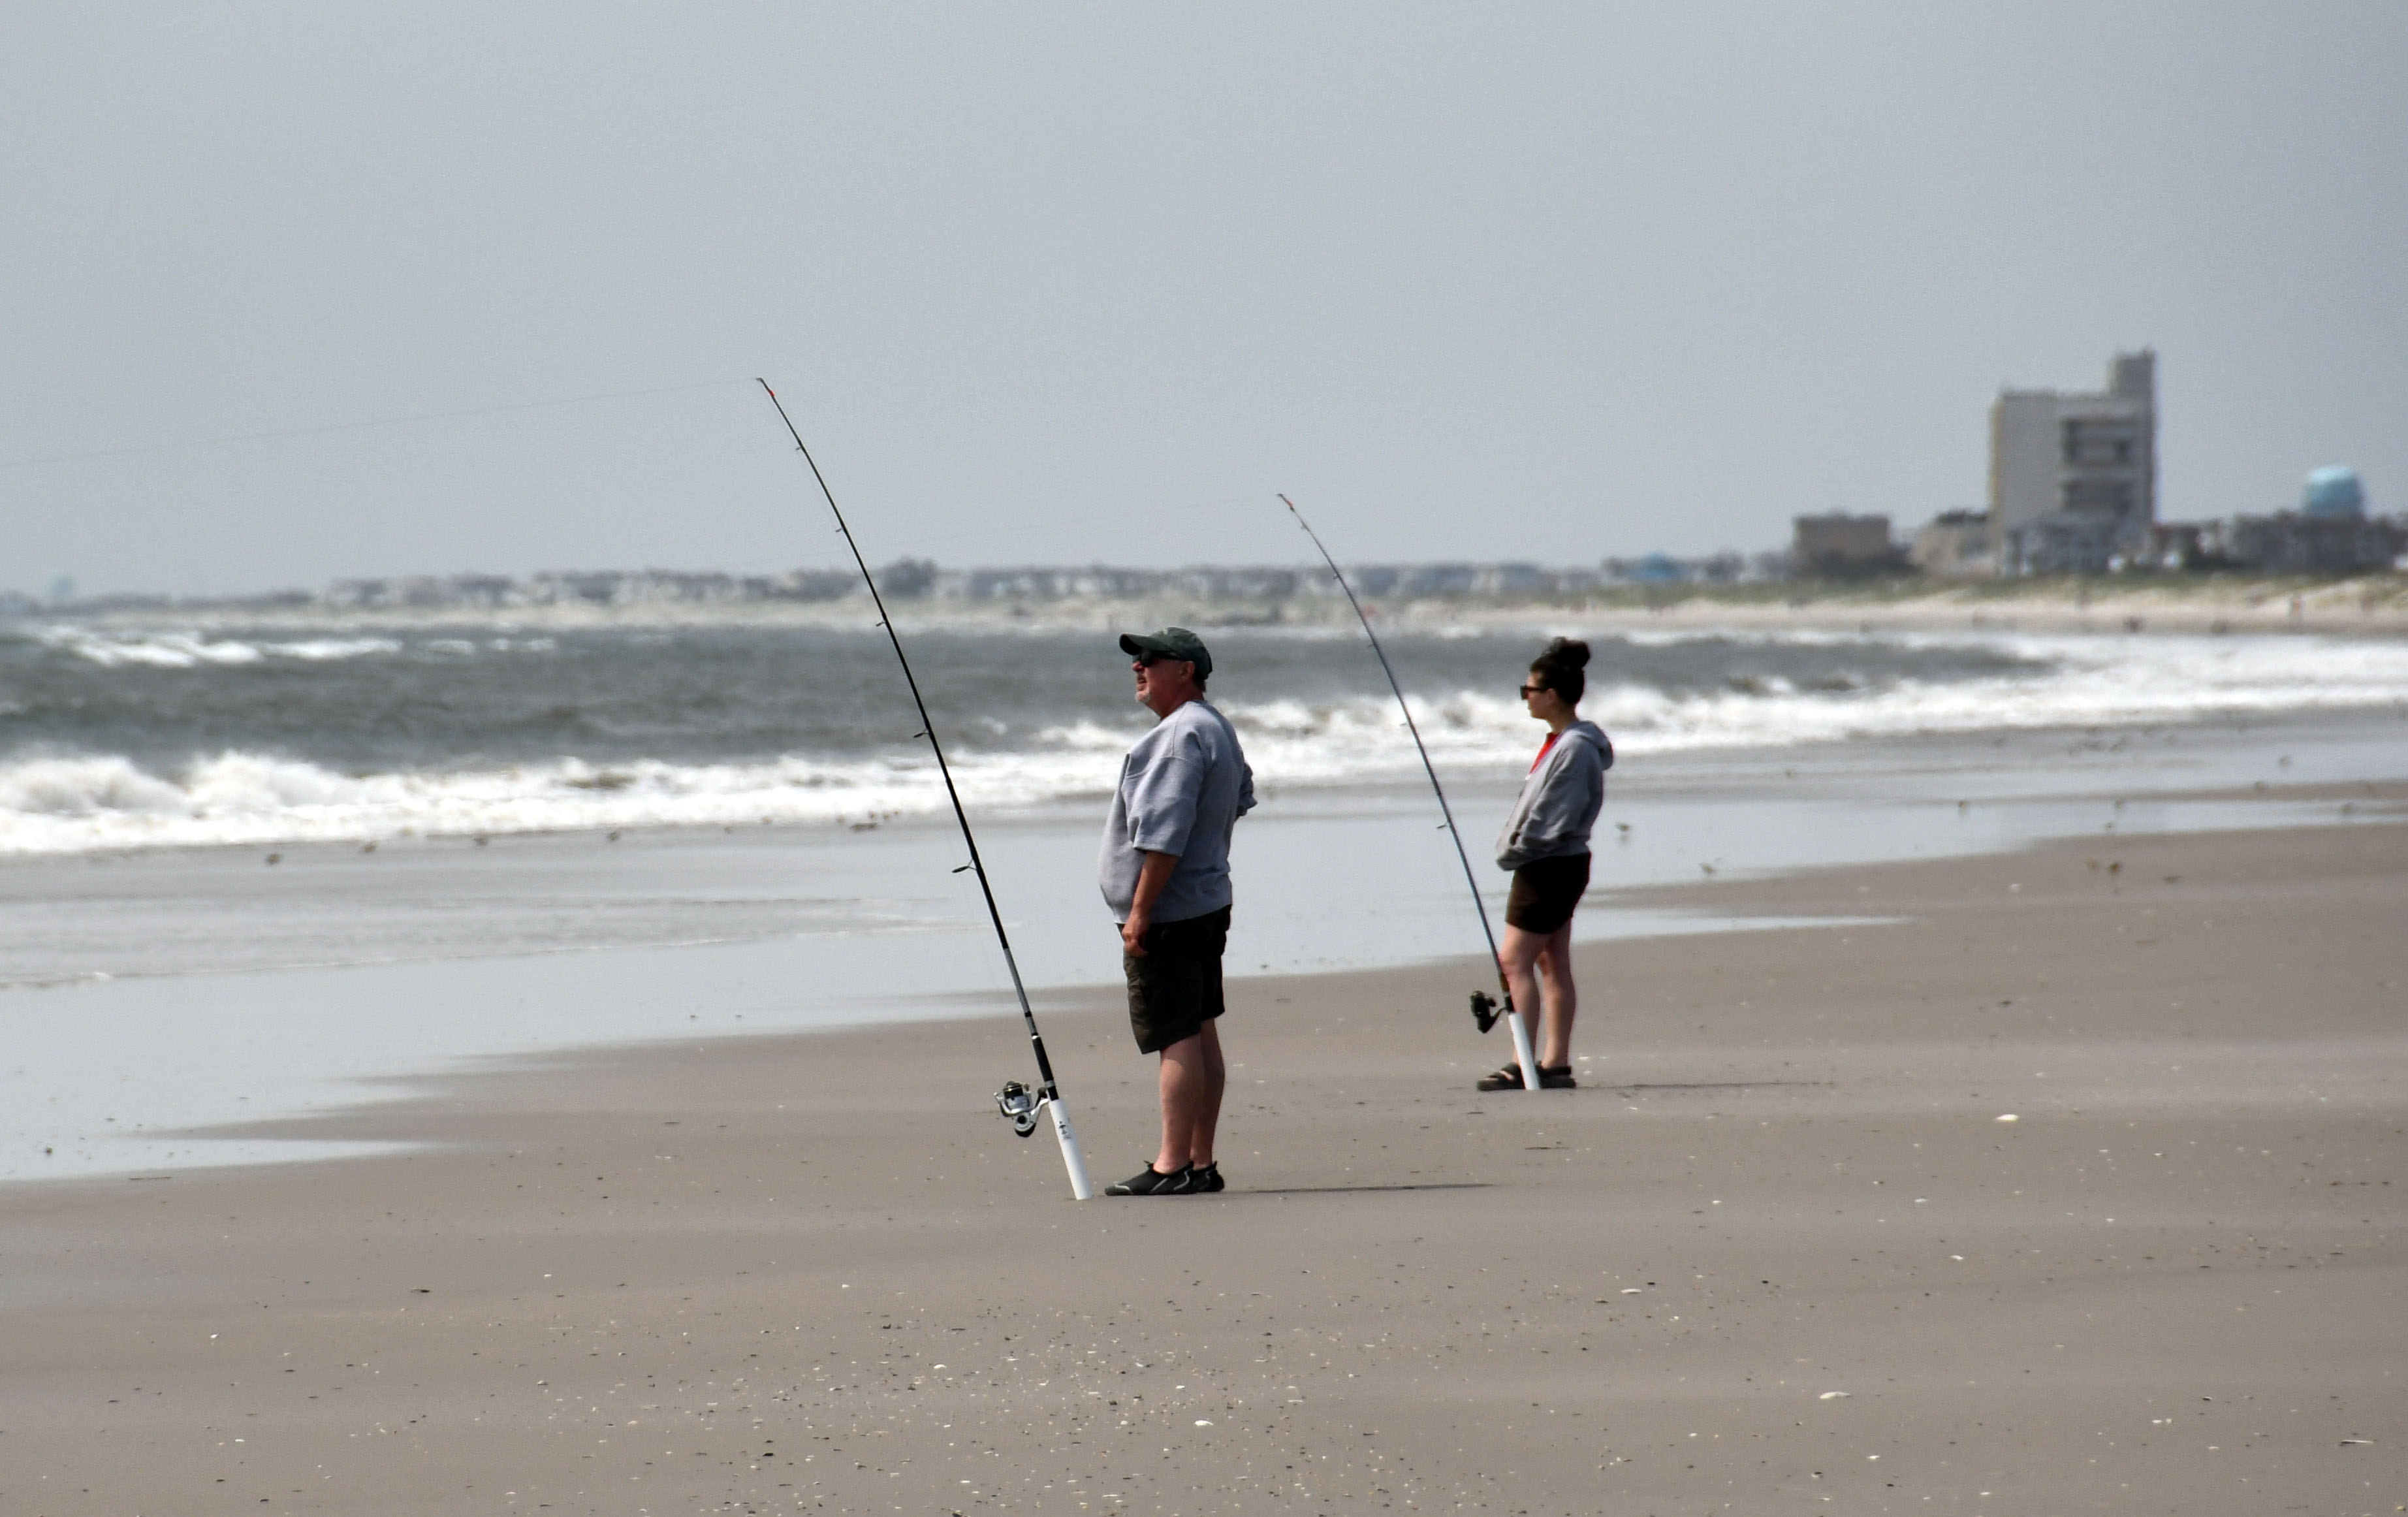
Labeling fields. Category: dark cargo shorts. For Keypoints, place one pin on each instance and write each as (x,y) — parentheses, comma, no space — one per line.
(1176,988)
(1546,891)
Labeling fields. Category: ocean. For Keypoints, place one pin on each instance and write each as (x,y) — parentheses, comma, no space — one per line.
(114,738)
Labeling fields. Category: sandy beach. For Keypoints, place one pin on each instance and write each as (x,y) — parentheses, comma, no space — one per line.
(586,603)
(1781,1252)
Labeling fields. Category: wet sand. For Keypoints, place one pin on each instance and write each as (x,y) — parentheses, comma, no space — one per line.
(1778,1254)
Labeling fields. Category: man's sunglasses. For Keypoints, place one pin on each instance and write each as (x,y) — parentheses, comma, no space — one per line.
(1150,660)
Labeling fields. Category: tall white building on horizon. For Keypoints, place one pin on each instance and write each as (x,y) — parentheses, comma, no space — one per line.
(2073,474)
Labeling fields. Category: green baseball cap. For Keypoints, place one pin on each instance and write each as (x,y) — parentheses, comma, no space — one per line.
(1170,642)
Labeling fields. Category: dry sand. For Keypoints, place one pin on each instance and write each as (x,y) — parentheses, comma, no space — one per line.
(1778,1254)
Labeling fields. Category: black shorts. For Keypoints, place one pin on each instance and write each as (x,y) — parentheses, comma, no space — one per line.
(1176,988)
(1546,891)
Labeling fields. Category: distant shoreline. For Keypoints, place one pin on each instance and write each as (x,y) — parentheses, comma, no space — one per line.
(2372,605)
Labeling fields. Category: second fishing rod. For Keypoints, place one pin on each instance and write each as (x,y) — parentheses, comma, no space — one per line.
(1485,1010)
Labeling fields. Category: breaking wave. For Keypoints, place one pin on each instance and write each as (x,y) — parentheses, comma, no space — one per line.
(62,801)
(193,651)
(182,650)
(78,804)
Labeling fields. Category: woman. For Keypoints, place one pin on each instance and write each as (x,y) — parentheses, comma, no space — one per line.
(1545,843)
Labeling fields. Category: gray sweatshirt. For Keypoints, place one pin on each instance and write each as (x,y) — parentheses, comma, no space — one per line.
(1182,788)
(1560,799)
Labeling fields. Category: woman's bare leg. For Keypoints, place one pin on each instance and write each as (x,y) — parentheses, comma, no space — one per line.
(1518,957)
(1553,963)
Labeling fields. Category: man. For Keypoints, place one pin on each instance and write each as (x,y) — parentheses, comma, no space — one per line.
(1165,873)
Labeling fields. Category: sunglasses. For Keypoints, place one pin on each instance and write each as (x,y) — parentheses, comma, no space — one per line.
(1528,691)
(1148,661)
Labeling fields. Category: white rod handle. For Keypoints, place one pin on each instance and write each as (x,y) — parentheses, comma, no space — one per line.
(1081,1189)
(1522,1053)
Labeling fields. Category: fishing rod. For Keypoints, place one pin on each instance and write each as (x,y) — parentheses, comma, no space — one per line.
(1484,1009)
(1015,1100)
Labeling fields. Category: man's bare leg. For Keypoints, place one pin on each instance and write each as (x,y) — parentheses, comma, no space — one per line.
(1192,1078)
(1208,1115)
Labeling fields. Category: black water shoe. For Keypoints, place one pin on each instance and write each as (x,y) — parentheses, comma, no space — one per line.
(1152,1181)
(1507,1079)
(1205,1181)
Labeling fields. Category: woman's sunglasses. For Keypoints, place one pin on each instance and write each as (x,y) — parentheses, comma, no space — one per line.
(1528,691)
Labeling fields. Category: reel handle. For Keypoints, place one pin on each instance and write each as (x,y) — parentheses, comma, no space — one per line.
(1018,1102)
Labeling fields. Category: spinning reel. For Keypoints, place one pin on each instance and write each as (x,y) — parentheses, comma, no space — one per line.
(1018,1102)
(1484,1009)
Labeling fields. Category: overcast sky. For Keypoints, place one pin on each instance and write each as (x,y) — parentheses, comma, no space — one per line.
(1049,284)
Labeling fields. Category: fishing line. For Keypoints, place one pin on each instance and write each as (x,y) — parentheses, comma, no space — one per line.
(147,448)
(1015,1100)
(1484,1010)
(1018,529)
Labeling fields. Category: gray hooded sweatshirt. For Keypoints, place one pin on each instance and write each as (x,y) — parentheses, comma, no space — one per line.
(1560,799)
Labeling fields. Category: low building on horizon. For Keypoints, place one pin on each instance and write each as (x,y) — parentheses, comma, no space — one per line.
(1837,546)
(2071,542)
(2330,533)
(1661,568)
(2294,542)
(1954,545)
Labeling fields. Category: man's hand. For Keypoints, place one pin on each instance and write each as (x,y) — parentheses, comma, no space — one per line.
(1151,878)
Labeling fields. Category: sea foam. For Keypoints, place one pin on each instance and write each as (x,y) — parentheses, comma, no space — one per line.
(54,803)
(192,649)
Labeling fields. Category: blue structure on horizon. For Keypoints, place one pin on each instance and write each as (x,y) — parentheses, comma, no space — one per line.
(2333,491)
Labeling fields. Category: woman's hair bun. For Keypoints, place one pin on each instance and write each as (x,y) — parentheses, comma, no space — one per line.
(1559,667)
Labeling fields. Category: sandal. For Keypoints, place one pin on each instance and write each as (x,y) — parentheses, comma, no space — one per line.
(1507,1079)
(1558,1079)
